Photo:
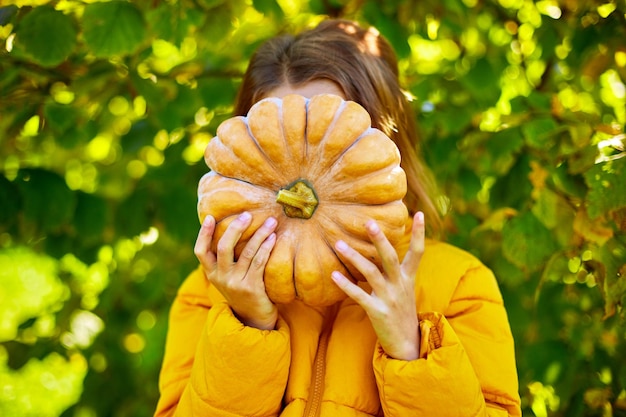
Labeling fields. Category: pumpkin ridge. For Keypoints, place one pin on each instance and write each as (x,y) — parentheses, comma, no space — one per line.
(268,160)
(233,161)
(328,154)
(337,159)
(314,167)
(244,181)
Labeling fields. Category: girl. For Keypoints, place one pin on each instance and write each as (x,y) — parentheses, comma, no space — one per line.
(427,335)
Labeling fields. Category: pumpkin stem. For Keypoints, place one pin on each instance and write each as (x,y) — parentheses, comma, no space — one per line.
(298,199)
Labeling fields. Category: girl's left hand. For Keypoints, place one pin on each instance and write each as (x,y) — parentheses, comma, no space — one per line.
(391,305)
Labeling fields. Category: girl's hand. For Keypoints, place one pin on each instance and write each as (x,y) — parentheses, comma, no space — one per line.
(391,305)
(240,282)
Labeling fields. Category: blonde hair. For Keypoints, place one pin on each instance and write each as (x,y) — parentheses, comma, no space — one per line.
(365,67)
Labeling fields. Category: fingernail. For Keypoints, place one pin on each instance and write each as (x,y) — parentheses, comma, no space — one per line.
(372,227)
(420,217)
(207,220)
(245,216)
(270,222)
(341,245)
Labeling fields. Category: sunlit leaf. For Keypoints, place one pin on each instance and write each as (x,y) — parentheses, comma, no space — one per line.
(29,287)
(43,387)
(113,28)
(47,35)
(607,182)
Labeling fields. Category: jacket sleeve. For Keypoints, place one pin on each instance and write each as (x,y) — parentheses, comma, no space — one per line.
(216,366)
(467,361)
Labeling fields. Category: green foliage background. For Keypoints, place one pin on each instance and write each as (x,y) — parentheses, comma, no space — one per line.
(105,110)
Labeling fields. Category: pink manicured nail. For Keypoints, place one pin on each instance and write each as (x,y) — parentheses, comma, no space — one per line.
(245,216)
(341,245)
(270,222)
(372,227)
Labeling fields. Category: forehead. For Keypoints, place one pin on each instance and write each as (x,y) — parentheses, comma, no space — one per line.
(308,89)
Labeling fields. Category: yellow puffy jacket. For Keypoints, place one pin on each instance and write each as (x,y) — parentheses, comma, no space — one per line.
(331,365)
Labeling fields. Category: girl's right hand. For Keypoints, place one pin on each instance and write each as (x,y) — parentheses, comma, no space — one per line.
(240,282)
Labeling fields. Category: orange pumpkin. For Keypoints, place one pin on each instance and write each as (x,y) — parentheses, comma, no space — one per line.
(322,171)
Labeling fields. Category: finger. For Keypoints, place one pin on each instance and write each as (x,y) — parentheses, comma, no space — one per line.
(413,257)
(369,270)
(228,241)
(262,255)
(204,239)
(259,238)
(352,290)
(387,253)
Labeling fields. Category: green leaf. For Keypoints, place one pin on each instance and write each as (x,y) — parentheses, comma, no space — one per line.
(217,92)
(502,148)
(552,210)
(512,189)
(571,184)
(91,216)
(388,26)
(176,113)
(60,117)
(7,13)
(483,81)
(47,35)
(113,28)
(173,23)
(526,242)
(269,7)
(607,185)
(209,4)
(135,214)
(47,199)
(11,202)
(539,133)
(177,210)
(609,266)
(539,101)
(29,286)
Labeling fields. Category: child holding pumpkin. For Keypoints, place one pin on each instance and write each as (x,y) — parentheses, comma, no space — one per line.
(426,334)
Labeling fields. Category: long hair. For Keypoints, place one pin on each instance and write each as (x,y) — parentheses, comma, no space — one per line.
(365,67)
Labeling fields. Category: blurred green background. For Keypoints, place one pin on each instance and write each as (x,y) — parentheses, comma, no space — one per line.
(105,111)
